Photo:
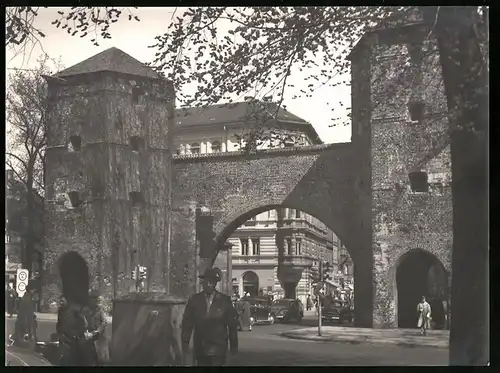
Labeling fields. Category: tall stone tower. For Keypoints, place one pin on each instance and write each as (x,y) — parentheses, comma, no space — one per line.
(108,165)
(400,130)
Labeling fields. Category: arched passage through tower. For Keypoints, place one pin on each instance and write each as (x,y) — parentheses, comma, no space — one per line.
(75,279)
(293,264)
(420,273)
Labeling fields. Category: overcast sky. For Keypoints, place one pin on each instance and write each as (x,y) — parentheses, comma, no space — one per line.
(134,39)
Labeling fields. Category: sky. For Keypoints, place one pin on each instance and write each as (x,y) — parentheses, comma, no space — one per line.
(134,38)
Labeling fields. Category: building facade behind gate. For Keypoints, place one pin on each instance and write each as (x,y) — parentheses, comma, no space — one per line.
(386,194)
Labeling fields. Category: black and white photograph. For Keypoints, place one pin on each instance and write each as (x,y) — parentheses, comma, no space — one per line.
(247,186)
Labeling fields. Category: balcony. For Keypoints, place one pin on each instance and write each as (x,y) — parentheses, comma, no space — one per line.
(297,261)
(254,260)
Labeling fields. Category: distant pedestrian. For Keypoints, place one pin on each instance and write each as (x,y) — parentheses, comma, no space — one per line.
(25,327)
(97,326)
(212,317)
(424,319)
(11,299)
(244,314)
(309,303)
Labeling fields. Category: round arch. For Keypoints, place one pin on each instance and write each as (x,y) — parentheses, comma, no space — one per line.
(250,281)
(246,209)
(416,273)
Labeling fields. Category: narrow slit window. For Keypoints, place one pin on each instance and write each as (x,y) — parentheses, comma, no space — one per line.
(418,182)
(136,143)
(74,198)
(75,143)
(417,110)
(136,198)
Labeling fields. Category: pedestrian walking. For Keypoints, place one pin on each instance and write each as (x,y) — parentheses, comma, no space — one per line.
(97,326)
(25,327)
(309,303)
(11,299)
(424,319)
(75,340)
(212,317)
(245,314)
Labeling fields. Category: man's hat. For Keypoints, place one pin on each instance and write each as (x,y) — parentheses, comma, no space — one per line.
(212,273)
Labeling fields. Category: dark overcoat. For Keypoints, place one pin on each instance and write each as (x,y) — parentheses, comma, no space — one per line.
(213,328)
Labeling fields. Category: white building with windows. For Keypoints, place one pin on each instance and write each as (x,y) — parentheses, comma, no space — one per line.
(255,253)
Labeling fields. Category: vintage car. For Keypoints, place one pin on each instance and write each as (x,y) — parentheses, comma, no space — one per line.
(336,311)
(260,310)
(288,310)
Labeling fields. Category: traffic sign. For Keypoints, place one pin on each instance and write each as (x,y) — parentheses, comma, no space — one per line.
(22,281)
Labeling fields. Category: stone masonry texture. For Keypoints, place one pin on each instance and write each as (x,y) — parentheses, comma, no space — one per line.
(360,190)
(385,77)
(111,232)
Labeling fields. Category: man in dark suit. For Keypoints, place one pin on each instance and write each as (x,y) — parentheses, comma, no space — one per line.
(212,316)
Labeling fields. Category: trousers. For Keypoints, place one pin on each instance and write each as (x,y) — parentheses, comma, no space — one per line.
(211,361)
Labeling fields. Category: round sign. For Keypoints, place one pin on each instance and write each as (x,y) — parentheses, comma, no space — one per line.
(21,287)
(23,276)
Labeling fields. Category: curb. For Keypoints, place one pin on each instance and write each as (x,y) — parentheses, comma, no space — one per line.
(359,340)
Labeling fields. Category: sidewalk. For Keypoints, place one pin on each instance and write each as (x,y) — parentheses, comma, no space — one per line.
(399,337)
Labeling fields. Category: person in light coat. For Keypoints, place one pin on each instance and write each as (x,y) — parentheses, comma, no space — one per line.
(424,318)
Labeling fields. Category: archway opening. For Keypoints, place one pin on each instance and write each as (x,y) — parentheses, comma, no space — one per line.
(421,274)
(283,246)
(250,283)
(74,274)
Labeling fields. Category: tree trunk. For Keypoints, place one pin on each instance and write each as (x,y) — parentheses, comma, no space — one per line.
(466,84)
(30,228)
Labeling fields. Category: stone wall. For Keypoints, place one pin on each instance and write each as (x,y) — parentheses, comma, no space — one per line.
(107,228)
(318,180)
(403,220)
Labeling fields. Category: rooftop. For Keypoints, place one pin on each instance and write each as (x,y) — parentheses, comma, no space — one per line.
(237,113)
(112,59)
(230,113)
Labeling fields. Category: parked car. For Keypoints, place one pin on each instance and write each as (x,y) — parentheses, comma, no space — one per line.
(287,310)
(260,310)
(336,311)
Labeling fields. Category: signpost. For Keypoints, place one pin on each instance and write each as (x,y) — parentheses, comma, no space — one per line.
(22,281)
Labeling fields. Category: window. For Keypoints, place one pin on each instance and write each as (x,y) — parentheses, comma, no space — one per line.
(136,198)
(136,143)
(195,148)
(291,213)
(75,144)
(74,198)
(289,246)
(417,109)
(136,94)
(244,246)
(418,182)
(297,214)
(216,147)
(255,246)
(298,247)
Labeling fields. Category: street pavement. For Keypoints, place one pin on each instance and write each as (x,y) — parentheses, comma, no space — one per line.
(265,345)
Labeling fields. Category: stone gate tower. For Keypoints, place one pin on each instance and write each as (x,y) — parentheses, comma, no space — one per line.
(108,157)
(400,131)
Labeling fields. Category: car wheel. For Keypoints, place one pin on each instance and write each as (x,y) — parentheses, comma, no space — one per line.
(271,319)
